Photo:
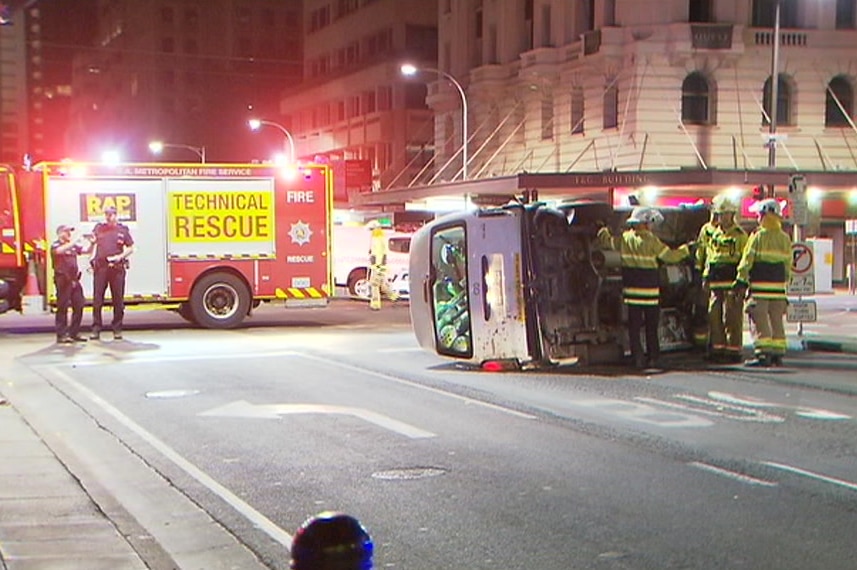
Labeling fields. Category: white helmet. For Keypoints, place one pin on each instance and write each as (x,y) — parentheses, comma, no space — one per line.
(645,215)
(722,204)
(769,206)
(373,225)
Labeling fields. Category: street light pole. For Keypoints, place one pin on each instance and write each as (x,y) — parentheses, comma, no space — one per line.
(775,84)
(408,69)
(157,147)
(256,124)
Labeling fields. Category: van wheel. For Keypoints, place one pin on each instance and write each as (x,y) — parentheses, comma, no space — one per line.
(219,301)
(358,283)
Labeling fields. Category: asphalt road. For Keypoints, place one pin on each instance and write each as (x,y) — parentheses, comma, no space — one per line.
(452,468)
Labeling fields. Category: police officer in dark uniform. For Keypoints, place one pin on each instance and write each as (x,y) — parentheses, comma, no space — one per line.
(64,254)
(113,245)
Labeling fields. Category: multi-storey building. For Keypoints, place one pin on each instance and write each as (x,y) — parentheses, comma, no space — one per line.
(186,72)
(353,102)
(14,125)
(557,85)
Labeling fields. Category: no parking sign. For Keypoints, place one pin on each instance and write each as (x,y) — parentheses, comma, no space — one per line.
(803,270)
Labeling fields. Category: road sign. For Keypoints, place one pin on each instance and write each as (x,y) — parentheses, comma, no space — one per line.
(803,271)
(801,312)
(851,227)
(798,198)
(802,258)
(802,284)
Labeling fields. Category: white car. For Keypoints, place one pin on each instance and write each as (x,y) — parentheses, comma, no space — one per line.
(351,260)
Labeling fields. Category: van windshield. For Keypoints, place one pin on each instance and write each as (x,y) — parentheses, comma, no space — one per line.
(449,286)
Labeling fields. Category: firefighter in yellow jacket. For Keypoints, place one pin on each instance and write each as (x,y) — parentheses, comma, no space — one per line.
(719,247)
(378,251)
(640,251)
(765,269)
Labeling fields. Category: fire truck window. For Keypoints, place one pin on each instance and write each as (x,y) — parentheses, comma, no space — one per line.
(5,205)
(450,292)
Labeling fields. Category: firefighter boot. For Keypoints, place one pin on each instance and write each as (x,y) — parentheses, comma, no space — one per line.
(759,361)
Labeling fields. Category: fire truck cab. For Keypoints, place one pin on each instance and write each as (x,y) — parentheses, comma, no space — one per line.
(529,285)
(212,241)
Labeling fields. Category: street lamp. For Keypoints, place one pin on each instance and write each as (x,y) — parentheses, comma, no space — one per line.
(256,124)
(157,147)
(775,84)
(409,70)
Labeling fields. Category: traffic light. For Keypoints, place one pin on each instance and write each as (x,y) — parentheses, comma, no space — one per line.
(758,193)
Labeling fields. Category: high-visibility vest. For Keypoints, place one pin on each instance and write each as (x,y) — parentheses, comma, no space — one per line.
(767,260)
(640,251)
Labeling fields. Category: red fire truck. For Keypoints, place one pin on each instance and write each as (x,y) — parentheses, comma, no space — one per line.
(212,241)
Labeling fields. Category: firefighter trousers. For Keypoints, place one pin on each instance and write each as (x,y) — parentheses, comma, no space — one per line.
(644,318)
(112,276)
(380,286)
(725,322)
(766,317)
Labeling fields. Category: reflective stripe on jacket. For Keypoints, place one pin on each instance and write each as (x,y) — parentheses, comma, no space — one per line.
(724,248)
(640,251)
(767,260)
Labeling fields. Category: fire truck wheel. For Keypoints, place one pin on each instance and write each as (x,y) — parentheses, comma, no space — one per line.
(219,301)
(186,313)
(358,283)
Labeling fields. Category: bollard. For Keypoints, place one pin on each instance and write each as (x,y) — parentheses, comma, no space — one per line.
(332,541)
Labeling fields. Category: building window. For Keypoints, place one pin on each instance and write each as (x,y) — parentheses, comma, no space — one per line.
(370,102)
(167,15)
(839,103)
(385,98)
(611,108)
(764,13)
(547,115)
(168,45)
(784,97)
(700,11)
(415,96)
(695,100)
(845,14)
(577,110)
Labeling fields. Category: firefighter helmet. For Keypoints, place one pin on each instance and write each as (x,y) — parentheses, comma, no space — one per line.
(769,206)
(723,205)
(645,215)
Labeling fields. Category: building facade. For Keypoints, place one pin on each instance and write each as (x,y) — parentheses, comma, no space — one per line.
(185,72)
(354,103)
(592,85)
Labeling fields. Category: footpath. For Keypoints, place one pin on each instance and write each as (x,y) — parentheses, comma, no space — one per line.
(58,512)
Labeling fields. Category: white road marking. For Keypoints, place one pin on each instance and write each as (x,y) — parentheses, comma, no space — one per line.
(733,474)
(411,384)
(802,411)
(179,358)
(258,519)
(646,414)
(755,417)
(244,409)
(742,413)
(818,476)
(402,349)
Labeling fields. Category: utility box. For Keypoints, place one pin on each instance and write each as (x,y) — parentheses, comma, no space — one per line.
(822,253)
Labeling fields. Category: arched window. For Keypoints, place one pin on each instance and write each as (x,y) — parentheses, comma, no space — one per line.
(764,12)
(839,103)
(696,100)
(784,101)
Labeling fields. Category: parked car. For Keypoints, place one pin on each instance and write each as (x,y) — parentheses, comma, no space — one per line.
(351,260)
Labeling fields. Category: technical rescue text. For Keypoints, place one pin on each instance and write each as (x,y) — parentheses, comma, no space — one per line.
(221,216)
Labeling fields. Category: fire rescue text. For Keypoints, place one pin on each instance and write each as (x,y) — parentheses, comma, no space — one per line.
(221,216)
